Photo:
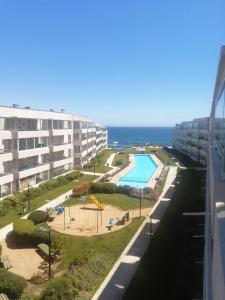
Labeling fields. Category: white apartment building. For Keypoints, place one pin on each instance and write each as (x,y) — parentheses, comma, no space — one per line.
(36,145)
(191,138)
(214,259)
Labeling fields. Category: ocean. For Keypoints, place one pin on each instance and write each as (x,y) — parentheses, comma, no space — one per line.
(123,137)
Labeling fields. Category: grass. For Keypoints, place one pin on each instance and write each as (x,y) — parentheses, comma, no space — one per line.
(122,201)
(120,159)
(15,213)
(110,245)
(99,161)
(162,155)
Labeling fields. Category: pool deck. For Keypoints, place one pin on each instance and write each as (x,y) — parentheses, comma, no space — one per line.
(131,165)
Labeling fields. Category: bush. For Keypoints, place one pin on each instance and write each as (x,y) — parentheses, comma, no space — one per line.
(38,216)
(48,185)
(107,188)
(59,289)
(126,189)
(26,233)
(73,175)
(81,189)
(12,201)
(61,180)
(12,285)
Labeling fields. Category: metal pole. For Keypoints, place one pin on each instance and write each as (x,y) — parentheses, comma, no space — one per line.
(28,196)
(97,219)
(49,253)
(64,217)
(94,170)
(140,203)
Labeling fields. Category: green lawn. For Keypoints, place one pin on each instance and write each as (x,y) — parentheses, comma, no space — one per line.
(121,159)
(162,155)
(99,161)
(123,201)
(15,213)
(108,244)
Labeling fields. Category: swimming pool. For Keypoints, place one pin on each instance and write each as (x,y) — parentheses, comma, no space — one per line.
(140,175)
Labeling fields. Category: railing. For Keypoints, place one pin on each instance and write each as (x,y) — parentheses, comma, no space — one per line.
(134,179)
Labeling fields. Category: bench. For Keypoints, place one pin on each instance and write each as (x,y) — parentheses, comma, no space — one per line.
(123,219)
(5,262)
(44,248)
(3,297)
(52,213)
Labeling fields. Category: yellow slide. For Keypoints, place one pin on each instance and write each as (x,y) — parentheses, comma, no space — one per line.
(97,202)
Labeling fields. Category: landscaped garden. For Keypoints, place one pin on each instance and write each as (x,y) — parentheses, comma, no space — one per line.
(15,206)
(121,159)
(79,263)
(97,164)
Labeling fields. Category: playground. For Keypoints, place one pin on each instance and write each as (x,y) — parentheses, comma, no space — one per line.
(89,218)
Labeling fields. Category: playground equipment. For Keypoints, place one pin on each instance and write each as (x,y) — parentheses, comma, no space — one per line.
(97,202)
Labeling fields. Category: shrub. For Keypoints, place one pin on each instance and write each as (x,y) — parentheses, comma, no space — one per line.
(26,233)
(73,175)
(61,180)
(125,189)
(59,289)
(107,188)
(12,201)
(38,216)
(12,285)
(57,246)
(147,190)
(81,189)
(48,185)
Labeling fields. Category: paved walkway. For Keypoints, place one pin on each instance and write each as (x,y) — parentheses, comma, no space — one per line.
(118,279)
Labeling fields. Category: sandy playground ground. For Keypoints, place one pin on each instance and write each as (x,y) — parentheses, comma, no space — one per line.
(83,219)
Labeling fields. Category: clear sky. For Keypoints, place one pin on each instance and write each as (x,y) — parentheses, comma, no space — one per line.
(121,62)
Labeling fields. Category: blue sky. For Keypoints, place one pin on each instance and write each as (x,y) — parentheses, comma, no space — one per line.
(121,62)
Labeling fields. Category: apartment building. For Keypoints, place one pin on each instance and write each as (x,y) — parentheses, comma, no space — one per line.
(191,138)
(214,259)
(36,145)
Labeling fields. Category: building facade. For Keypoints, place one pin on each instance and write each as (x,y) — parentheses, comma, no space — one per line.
(36,145)
(192,138)
(214,259)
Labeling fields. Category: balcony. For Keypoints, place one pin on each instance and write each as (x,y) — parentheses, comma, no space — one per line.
(5,178)
(61,147)
(56,132)
(58,162)
(5,155)
(32,133)
(31,170)
(32,152)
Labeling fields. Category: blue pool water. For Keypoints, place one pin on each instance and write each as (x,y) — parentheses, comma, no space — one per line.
(141,173)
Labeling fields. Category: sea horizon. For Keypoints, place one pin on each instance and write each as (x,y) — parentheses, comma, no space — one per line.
(120,137)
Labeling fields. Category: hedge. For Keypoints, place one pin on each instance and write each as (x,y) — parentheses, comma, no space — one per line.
(19,197)
(38,216)
(11,284)
(26,233)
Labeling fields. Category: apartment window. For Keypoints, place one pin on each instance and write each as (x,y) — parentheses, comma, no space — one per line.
(22,144)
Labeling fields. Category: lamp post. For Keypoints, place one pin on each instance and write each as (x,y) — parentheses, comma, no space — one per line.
(28,195)
(140,196)
(44,229)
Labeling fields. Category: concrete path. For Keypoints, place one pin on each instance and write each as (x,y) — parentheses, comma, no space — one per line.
(110,160)
(118,279)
